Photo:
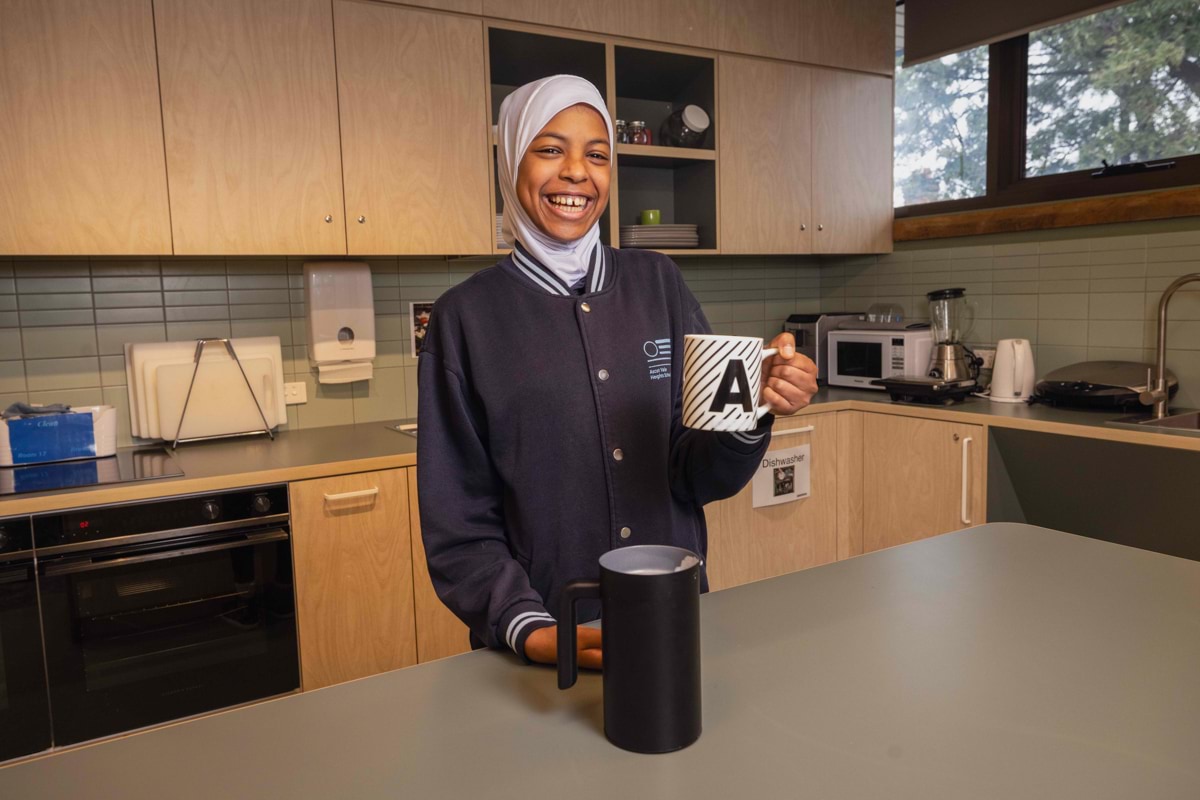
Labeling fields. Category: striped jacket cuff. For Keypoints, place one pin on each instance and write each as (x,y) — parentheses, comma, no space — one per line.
(519,621)
(749,441)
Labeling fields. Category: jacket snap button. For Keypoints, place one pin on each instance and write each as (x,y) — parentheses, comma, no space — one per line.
(626,533)
(602,374)
(585,306)
(618,454)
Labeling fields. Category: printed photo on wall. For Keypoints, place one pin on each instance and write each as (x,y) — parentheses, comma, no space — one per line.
(419,314)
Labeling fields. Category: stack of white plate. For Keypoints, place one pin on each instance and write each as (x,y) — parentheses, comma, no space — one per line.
(665,237)
(499,233)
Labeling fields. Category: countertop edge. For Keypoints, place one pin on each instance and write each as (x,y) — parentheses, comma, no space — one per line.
(149,490)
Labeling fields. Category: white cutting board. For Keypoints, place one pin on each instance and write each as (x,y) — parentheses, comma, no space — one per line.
(143,391)
(135,356)
(220,403)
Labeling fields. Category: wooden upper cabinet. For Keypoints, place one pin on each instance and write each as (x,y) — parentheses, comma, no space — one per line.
(353,569)
(766,159)
(81,149)
(695,23)
(920,478)
(415,127)
(249,97)
(850,34)
(851,162)
(749,544)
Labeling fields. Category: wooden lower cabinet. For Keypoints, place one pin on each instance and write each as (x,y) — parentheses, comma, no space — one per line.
(352,551)
(439,632)
(748,544)
(920,478)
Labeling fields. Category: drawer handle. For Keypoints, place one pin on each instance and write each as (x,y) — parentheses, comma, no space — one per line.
(792,431)
(966,486)
(331,498)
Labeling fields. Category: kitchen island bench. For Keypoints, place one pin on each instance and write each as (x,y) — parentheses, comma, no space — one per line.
(1003,661)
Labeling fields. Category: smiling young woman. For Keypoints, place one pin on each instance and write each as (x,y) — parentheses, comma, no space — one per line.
(550,420)
(562,182)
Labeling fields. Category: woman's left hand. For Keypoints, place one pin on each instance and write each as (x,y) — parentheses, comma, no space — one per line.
(789,380)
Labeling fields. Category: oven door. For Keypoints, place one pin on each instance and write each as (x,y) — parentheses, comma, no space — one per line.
(857,360)
(24,710)
(149,633)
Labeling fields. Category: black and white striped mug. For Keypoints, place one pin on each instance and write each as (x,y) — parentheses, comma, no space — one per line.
(722,378)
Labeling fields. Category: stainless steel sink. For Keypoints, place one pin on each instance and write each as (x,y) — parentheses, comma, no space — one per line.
(1184,422)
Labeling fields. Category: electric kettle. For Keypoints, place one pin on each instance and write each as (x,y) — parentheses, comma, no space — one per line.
(1013,374)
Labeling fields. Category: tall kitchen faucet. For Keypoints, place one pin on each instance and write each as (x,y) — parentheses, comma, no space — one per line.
(1157,394)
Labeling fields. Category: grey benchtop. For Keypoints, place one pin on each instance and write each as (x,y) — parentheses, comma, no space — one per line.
(318,452)
(1005,661)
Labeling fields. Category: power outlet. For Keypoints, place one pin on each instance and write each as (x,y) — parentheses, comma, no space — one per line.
(988,355)
(295,393)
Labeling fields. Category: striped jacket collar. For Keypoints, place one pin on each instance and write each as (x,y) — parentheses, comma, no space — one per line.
(599,274)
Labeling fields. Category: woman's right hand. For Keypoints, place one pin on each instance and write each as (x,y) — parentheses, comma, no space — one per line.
(541,646)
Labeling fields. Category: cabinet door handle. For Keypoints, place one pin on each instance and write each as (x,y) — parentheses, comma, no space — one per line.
(966,481)
(792,431)
(374,490)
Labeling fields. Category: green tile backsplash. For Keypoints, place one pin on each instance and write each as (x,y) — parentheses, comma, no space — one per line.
(64,324)
(1078,294)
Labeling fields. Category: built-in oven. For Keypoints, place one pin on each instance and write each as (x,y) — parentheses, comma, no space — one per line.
(24,708)
(160,610)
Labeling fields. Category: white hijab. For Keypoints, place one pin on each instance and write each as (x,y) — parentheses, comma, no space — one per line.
(522,115)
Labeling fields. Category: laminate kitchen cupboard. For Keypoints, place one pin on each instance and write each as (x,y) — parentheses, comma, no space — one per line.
(920,478)
(439,632)
(749,544)
(850,34)
(414,124)
(250,114)
(81,147)
(851,162)
(766,156)
(352,554)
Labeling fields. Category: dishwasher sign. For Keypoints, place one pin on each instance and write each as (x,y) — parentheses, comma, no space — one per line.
(782,476)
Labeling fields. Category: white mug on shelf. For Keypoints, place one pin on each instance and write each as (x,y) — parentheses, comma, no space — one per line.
(722,378)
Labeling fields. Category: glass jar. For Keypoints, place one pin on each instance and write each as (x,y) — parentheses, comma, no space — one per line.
(621,131)
(638,134)
(685,128)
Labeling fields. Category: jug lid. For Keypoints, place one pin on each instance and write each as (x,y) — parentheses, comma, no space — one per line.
(946,294)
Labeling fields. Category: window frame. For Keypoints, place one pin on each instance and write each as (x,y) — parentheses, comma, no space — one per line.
(1007,184)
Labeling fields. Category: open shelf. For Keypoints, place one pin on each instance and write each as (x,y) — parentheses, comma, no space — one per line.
(651,85)
(518,57)
(651,155)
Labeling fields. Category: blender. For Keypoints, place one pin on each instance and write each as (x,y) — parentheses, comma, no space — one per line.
(953,368)
(951,360)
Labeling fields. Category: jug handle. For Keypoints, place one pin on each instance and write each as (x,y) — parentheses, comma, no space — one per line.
(568,668)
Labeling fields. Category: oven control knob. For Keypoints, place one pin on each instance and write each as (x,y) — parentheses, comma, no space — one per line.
(261,504)
(210,510)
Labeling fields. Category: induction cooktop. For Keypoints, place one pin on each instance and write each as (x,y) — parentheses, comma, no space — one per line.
(144,464)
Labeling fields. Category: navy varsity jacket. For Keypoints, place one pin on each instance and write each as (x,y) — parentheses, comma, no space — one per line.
(550,433)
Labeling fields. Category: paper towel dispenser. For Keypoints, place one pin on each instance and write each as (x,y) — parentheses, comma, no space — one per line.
(341,320)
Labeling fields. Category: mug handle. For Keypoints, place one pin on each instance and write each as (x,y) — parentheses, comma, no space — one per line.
(764,408)
(568,669)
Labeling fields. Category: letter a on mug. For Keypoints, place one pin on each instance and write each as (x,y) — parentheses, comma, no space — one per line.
(734,373)
(721,382)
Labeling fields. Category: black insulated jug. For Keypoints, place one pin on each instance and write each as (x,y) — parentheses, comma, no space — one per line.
(650,630)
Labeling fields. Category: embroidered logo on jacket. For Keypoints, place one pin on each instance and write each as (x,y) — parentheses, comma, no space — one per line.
(658,357)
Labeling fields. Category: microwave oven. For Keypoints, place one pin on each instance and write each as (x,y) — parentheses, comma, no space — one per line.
(859,357)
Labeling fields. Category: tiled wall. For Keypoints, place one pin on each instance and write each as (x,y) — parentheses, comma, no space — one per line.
(1077,294)
(63,324)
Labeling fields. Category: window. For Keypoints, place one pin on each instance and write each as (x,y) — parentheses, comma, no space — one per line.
(941,120)
(1122,85)
(1036,117)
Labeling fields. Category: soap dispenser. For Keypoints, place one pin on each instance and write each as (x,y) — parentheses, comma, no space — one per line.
(341,320)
